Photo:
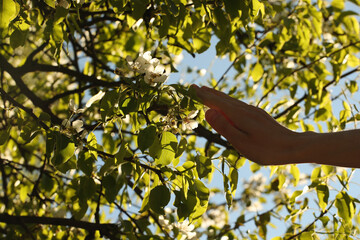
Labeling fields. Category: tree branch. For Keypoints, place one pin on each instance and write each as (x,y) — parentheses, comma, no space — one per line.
(27,110)
(306,95)
(107,229)
(16,75)
(302,68)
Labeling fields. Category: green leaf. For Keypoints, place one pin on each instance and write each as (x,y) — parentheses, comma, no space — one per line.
(155,149)
(64,149)
(18,38)
(86,162)
(169,148)
(203,165)
(256,6)
(322,191)
(47,182)
(87,188)
(294,170)
(66,166)
(202,192)
(257,72)
(60,14)
(201,40)
(111,187)
(108,101)
(234,177)
(338,4)
(181,148)
(345,206)
(146,137)
(145,202)
(4,135)
(51,3)
(173,8)
(159,197)
(8,11)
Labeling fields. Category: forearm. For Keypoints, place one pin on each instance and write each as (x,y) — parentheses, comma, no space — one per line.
(338,149)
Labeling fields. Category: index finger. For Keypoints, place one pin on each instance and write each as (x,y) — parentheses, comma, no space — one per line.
(219,101)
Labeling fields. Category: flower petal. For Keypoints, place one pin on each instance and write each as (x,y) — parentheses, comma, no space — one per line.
(95,98)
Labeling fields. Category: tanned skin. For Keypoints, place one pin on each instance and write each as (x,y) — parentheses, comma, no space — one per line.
(257,136)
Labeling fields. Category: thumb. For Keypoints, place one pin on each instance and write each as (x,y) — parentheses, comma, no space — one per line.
(224,127)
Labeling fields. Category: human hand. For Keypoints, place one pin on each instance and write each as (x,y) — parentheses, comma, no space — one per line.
(250,130)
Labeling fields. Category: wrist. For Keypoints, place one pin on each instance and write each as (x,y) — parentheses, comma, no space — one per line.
(300,147)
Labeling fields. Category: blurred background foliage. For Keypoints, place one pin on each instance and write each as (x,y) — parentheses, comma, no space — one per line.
(91,147)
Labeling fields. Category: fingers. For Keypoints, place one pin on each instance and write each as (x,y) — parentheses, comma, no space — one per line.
(216,99)
(219,122)
(233,109)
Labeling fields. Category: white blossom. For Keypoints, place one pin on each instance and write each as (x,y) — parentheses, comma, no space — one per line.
(255,207)
(328,38)
(95,98)
(186,229)
(66,123)
(177,59)
(63,3)
(290,64)
(73,107)
(155,75)
(188,122)
(165,223)
(142,63)
(137,24)
(151,67)
(77,125)
(214,217)
(202,72)
(169,121)
(80,2)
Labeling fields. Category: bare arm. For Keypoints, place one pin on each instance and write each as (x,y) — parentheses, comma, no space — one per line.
(257,136)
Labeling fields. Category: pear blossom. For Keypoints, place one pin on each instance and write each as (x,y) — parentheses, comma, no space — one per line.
(63,3)
(151,67)
(202,72)
(290,64)
(155,75)
(73,107)
(255,207)
(165,223)
(95,98)
(137,24)
(77,125)
(65,123)
(169,122)
(188,122)
(142,63)
(186,229)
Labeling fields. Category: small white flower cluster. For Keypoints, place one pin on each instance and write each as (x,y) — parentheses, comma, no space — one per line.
(214,217)
(255,185)
(74,108)
(188,123)
(63,3)
(170,123)
(151,67)
(185,228)
(76,126)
